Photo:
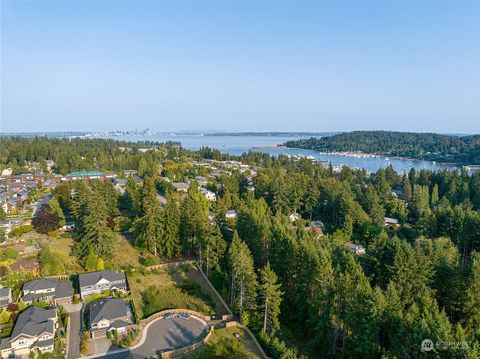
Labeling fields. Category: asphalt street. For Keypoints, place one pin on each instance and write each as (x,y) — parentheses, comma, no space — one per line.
(162,335)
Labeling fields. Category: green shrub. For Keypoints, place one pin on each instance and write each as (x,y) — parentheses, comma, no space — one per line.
(18,231)
(149,261)
(8,253)
(54,233)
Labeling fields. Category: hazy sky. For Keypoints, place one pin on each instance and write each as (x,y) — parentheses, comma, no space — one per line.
(263,66)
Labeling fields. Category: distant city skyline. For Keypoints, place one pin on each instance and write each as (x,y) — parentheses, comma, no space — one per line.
(240,66)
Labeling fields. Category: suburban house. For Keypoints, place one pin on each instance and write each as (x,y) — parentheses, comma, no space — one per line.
(231,214)
(208,194)
(355,248)
(109,315)
(181,186)
(31,265)
(119,184)
(34,330)
(162,199)
(391,222)
(317,227)
(294,216)
(86,175)
(201,180)
(99,282)
(5,297)
(50,290)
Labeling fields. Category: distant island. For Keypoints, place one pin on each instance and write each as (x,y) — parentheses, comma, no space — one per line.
(463,150)
(273,134)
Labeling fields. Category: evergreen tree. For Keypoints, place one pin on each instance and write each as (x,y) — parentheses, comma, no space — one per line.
(194,219)
(149,227)
(270,299)
(243,277)
(92,227)
(212,248)
(407,188)
(434,197)
(471,305)
(170,241)
(253,226)
(132,198)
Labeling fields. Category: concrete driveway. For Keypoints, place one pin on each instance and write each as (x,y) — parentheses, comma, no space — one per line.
(75,330)
(161,335)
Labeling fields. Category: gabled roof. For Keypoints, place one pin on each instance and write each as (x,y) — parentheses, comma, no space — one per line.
(93,278)
(110,309)
(34,321)
(62,289)
(5,291)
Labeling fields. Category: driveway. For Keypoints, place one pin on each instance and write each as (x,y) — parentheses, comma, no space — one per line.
(161,335)
(74,331)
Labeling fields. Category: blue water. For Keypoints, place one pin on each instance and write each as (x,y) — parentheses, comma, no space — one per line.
(240,144)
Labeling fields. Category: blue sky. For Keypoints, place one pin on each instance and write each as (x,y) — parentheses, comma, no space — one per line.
(240,66)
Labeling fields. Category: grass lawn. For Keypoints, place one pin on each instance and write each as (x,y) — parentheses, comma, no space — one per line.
(64,246)
(224,344)
(125,255)
(167,289)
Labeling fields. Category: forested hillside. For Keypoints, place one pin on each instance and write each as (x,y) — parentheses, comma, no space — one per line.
(302,291)
(427,146)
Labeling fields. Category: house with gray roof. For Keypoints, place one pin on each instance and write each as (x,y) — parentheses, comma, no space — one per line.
(99,282)
(5,297)
(50,290)
(34,330)
(109,315)
(181,186)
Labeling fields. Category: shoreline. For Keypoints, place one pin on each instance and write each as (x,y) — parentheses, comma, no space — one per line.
(360,155)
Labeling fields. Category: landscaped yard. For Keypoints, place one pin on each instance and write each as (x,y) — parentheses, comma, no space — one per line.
(230,342)
(167,289)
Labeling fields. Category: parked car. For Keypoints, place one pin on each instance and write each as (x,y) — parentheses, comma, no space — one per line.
(168,316)
(184,316)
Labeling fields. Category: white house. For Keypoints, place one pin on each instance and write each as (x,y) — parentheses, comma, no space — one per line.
(99,282)
(34,330)
(208,194)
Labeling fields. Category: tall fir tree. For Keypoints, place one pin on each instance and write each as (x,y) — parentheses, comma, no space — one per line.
(270,297)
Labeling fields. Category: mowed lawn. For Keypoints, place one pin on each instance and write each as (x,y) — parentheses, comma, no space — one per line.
(168,288)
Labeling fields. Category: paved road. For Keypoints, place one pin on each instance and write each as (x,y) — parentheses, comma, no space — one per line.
(161,335)
(75,333)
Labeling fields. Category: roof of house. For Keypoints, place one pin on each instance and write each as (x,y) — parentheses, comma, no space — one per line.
(86,173)
(40,284)
(42,343)
(110,309)
(63,289)
(94,277)
(4,343)
(34,321)
(181,185)
(391,220)
(28,264)
(5,291)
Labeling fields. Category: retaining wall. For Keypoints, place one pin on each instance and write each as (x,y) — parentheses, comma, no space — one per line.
(181,351)
(204,318)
